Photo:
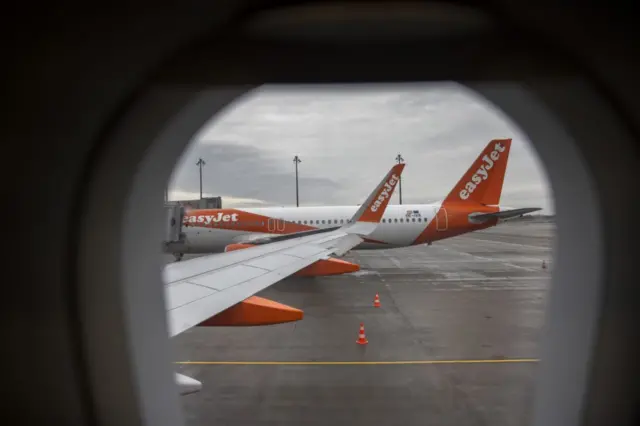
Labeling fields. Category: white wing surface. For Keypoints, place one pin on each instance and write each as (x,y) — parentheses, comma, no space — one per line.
(200,288)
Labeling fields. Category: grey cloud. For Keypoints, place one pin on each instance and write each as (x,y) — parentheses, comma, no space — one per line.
(348,138)
(247,172)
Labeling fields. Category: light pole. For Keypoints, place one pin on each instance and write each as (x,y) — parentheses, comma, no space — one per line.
(200,164)
(297,160)
(399,159)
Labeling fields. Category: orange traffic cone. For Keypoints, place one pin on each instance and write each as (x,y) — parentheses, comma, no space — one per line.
(376,301)
(362,340)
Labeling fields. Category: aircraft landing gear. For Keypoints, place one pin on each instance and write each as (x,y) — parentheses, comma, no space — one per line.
(178,256)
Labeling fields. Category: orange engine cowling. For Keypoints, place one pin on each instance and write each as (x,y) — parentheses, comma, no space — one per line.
(237,246)
(254,311)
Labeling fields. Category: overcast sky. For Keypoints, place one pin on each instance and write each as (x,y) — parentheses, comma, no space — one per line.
(347,139)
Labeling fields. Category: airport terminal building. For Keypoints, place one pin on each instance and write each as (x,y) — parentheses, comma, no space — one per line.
(204,203)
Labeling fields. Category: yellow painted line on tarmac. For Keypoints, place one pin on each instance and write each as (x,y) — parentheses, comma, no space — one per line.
(434,361)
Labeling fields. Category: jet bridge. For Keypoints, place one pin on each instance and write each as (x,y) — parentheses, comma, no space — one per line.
(174,239)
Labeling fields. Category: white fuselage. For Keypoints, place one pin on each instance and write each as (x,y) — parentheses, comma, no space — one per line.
(397,228)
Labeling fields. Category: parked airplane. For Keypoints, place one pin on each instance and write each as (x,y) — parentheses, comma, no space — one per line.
(217,290)
(472,204)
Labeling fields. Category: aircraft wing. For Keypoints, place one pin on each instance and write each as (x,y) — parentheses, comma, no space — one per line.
(197,290)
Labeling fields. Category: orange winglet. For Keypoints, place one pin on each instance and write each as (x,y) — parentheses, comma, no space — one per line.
(254,311)
(329,266)
(377,204)
(237,246)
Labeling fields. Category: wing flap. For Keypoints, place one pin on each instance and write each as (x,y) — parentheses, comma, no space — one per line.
(346,243)
(272,262)
(182,293)
(224,278)
(304,251)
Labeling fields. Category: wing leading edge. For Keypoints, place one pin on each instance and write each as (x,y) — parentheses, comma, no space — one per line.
(197,291)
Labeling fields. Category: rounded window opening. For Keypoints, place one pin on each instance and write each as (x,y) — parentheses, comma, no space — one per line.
(468,241)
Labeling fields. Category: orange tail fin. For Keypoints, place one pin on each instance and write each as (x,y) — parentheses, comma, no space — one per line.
(482,183)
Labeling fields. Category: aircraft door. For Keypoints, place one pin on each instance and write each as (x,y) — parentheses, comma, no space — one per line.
(275,225)
(442,220)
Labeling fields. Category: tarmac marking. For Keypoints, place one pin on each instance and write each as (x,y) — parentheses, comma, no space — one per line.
(492,259)
(529,246)
(418,362)
(488,279)
(395,261)
(487,260)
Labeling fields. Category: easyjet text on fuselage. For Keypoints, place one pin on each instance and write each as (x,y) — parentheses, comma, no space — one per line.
(208,219)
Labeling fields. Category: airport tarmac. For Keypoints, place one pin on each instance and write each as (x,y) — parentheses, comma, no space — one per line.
(455,342)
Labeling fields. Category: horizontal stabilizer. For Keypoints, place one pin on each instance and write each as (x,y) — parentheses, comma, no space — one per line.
(504,214)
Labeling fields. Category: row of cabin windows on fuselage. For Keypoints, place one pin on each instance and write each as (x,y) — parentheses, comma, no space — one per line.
(317,222)
(342,221)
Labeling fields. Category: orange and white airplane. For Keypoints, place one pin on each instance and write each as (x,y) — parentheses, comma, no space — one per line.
(472,204)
